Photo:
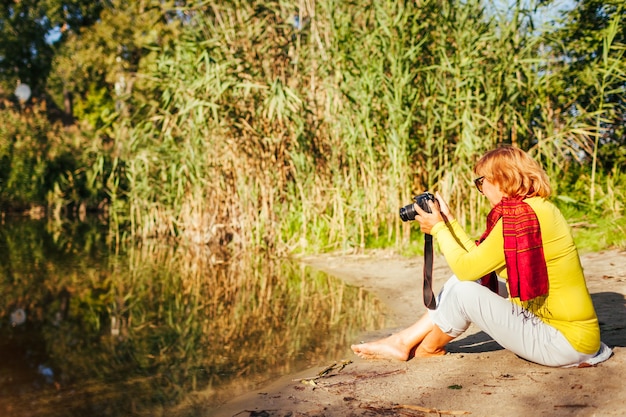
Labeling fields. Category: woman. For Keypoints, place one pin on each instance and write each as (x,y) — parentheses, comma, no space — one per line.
(549,317)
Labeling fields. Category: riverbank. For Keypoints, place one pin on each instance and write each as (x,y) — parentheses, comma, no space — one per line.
(476,377)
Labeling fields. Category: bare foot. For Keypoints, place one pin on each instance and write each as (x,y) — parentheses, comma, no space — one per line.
(391,347)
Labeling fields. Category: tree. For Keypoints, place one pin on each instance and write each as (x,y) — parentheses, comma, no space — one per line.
(95,69)
(27,30)
(594,36)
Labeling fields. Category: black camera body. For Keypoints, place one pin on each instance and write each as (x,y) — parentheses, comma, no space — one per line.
(408,212)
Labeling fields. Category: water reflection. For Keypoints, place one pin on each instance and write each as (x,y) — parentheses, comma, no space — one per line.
(84,331)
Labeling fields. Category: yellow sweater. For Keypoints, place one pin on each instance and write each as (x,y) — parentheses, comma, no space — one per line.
(568,306)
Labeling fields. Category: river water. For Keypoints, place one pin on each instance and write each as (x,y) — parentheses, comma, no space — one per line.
(157,329)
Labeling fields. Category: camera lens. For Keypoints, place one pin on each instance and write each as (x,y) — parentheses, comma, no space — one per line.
(408,213)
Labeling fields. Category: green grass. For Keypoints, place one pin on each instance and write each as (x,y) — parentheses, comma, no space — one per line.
(593,234)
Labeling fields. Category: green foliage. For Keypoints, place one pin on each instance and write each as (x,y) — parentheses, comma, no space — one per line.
(46,166)
(25,48)
(96,68)
(591,46)
(95,105)
(596,234)
(294,129)
(23,157)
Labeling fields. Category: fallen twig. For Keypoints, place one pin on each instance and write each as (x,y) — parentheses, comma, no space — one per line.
(253,412)
(383,410)
(337,366)
(398,409)
(397,371)
(362,377)
(431,410)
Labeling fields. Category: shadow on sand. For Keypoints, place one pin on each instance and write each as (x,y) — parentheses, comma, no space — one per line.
(476,343)
(611,311)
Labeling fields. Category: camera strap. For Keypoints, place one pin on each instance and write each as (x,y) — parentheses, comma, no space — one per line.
(429,296)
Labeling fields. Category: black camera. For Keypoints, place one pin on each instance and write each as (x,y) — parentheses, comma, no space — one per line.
(408,212)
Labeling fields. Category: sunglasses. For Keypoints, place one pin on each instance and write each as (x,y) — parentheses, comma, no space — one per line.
(478,182)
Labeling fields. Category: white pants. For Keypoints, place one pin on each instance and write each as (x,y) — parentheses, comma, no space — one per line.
(463,302)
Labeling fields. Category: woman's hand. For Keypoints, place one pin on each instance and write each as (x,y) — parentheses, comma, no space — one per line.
(444,209)
(439,212)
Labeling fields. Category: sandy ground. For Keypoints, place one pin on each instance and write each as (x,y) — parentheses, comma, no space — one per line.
(476,377)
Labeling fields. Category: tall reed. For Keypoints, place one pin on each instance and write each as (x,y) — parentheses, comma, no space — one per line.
(304,128)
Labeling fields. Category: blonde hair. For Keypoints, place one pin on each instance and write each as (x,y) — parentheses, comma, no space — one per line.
(514,171)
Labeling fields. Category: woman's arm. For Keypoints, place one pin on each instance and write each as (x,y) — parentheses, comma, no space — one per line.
(468,261)
(459,234)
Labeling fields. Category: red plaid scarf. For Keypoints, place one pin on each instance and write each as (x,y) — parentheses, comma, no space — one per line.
(523,249)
